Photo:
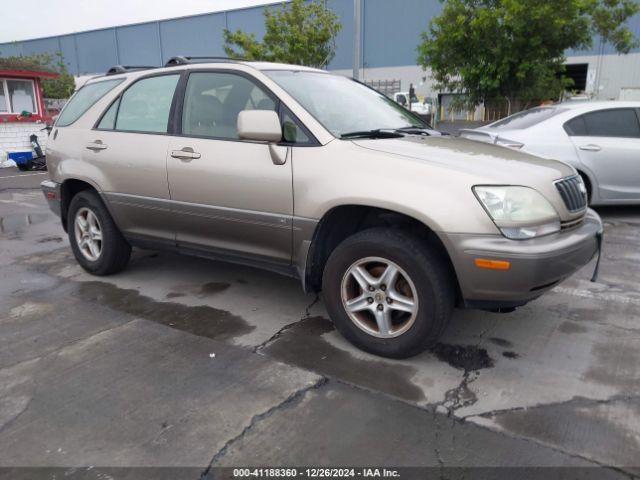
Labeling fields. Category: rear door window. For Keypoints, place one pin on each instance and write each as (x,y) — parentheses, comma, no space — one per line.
(617,122)
(145,106)
(84,99)
(527,119)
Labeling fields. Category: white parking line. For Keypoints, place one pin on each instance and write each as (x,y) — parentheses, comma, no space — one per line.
(25,175)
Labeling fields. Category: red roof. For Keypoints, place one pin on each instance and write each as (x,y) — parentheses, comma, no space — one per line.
(27,74)
(17,67)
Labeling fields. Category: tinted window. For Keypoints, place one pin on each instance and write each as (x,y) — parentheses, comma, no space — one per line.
(576,127)
(213,101)
(108,120)
(620,122)
(145,106)
(528,118)
(84,99)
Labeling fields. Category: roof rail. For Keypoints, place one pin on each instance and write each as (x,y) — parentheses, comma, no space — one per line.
(116,69)
(183,60)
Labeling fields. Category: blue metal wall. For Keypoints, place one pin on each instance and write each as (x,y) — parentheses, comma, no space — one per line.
(390,33)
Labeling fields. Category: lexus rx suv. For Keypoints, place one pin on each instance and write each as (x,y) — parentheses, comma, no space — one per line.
(318,177)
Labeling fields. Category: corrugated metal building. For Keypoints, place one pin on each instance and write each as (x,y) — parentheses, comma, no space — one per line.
(389,36)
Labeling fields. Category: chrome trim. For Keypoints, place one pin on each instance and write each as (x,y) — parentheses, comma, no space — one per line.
(568,194)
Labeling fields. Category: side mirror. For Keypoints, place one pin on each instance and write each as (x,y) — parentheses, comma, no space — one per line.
(259,125)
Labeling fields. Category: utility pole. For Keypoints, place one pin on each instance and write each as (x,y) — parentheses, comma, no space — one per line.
(357,9)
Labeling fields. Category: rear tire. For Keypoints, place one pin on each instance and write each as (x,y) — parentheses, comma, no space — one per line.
(423,290)
(96,242)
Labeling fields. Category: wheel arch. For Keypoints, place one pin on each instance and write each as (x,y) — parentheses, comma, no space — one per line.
(589,183)
(343,221)
(69,188)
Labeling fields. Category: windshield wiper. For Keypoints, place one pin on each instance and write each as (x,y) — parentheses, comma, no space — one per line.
(377,133)
(420,131)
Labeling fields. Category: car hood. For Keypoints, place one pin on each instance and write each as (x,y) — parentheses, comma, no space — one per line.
(490,163)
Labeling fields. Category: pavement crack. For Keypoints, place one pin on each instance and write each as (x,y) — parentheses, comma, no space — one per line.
(436,444)
(622,470)
(577,400)
(291,400)
(279,333)
(460,396)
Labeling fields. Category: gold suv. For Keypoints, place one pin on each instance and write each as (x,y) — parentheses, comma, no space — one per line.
(319,177)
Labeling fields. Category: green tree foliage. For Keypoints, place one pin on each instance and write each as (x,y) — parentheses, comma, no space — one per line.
(59,87)
(297,32)
(514,49)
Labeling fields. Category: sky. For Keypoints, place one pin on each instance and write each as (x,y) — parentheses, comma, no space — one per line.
(26,19)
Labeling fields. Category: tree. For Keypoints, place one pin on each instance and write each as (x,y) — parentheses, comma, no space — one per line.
(298,32)
(515,49)
(64,85)
(59,87)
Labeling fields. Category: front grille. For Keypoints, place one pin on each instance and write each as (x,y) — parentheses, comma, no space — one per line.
(573,193)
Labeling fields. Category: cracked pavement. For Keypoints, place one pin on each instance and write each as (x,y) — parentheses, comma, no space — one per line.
(184,362)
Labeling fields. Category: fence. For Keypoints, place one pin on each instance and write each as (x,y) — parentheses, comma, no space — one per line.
(491,110)
(386,87)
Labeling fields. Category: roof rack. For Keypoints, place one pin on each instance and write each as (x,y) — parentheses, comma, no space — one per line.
(183,60)
(116,69)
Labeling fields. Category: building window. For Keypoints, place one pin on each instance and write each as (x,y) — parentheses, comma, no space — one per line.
(17,96)
(4,106)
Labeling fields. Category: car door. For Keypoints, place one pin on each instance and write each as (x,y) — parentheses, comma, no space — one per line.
(608,144)
(129,149)
(229,196)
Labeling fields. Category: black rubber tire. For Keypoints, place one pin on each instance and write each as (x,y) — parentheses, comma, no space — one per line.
(115,249)
(430,273)
(587,183)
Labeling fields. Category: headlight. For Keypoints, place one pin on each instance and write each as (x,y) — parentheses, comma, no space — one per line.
(519,212)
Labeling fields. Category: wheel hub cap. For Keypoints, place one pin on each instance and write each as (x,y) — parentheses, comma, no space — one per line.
(379,297)
(88,233)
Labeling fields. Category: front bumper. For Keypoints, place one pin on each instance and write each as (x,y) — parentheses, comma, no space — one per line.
(536,265)
(51,191)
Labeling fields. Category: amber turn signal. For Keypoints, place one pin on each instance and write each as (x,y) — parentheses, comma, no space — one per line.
(492,264)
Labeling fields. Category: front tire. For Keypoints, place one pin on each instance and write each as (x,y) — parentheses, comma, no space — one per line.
(96,242)
(388,293)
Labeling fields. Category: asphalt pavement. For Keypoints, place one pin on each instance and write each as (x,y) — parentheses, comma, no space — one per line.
(193,364)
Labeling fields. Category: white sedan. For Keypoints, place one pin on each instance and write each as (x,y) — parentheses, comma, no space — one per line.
(600,139)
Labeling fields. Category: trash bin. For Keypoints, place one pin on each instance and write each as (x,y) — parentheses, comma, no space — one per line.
(21,157)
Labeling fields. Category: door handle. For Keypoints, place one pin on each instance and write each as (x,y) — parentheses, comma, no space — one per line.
(96,146)
(185,154)
(590,148)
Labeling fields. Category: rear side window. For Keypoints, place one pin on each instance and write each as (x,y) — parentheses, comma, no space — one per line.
(145,106)
(84,99)
(527,119)
(618,122)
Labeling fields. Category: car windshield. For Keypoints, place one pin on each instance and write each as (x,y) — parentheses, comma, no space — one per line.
(343,106)
(527,119)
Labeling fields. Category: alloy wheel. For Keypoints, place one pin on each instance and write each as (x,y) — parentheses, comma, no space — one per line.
(88,232)
(379,297)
